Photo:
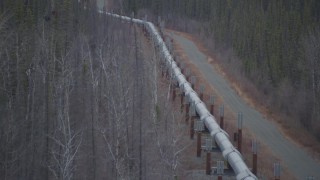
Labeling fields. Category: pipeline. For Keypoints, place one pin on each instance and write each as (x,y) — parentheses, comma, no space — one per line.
(229,152)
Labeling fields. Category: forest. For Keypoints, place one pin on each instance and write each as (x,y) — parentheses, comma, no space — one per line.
(79,98)
(81,95)
(270,45)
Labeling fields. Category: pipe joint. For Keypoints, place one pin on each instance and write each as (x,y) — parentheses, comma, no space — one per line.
(246,175)
(216,131)
(230,150)
(205,116)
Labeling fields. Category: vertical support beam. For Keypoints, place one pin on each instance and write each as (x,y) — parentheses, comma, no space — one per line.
(235,137)
(199,144)
(187,74)
(212,109)
(240,119)
(240,140)
(174,93)
(211,101)
(193,117)
(182,100)
(276,170)
(208,163)
(187,110)
(202,88)
(254,157)
(193,81)
(192,127)
(221,116)
(220,169)
(182,67)
(255,164)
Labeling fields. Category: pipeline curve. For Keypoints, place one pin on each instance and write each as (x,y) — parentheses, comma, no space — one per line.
(229,152)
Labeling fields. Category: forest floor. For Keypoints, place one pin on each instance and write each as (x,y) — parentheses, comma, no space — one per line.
(275,142)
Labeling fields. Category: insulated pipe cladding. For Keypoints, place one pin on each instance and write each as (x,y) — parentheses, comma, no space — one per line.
(229,152)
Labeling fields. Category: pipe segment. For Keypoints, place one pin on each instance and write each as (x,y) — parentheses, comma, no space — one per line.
(229,152)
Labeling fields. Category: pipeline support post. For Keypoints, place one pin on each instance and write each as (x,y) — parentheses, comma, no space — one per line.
(187,113)
(192,128)
(220,169)
(193,117)
(193,81)
(255,157)
(187,75)
(240,121)
(182,100)
(240,140)
(208,163)
(211,101)
(182,66)
(235,137)
(276,170)
(174,93)
(208,159)
(255,164)
(222,116)
(202,88)
(198,144)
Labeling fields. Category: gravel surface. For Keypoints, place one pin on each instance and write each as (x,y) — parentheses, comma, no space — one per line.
(298,162)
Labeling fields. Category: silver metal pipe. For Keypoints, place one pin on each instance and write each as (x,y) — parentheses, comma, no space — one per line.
(229,152)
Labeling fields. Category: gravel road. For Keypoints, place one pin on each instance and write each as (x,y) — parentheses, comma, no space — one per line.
(298,162)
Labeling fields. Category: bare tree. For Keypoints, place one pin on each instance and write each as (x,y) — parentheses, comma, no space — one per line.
(67,140)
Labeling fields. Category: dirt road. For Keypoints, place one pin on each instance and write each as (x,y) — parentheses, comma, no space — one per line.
(298,162)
